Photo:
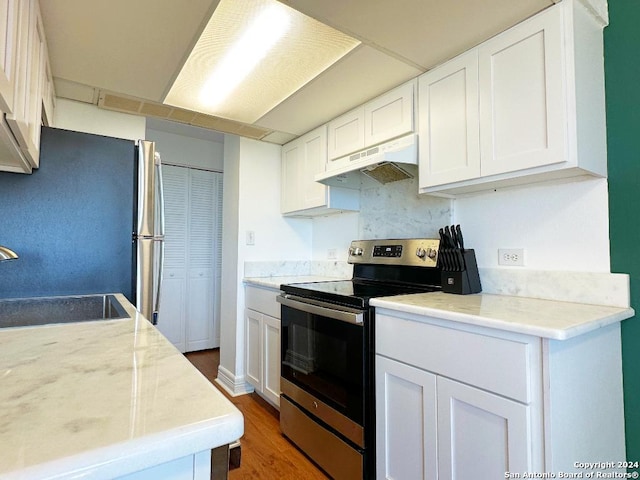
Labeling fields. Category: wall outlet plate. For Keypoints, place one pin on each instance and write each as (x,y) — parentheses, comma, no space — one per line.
(251,237)
(511,257)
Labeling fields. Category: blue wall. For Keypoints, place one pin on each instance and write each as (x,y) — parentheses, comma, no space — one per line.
(71,220)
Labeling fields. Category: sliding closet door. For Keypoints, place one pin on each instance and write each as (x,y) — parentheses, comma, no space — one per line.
(190,305)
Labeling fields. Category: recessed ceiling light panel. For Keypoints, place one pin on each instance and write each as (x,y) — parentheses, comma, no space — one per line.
(252,55)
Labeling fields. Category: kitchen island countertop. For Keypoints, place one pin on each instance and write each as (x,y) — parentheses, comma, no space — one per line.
(544,318)
(103,399)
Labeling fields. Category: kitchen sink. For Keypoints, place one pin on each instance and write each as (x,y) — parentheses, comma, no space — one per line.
(22,312)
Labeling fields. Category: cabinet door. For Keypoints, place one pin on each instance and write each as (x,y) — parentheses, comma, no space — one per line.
(291,193)
(406,422)
(253,325)
(522,97)
(449,129)
(390,115)
(25,121)
(345,135)
(302,160)
(314,145)
(271,359)
(48,94)
(480,435)
(8,52)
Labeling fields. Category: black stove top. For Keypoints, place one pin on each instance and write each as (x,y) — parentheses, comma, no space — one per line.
(381,268)
(353,293)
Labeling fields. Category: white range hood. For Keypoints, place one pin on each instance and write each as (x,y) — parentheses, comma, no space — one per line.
(388,162)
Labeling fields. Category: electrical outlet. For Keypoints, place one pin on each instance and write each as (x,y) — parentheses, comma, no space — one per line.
(511,257)
(251,237)
(332,254)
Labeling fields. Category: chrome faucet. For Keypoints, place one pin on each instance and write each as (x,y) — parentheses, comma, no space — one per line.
(7,254)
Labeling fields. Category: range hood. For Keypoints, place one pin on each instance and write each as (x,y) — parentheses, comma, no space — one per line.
(388,162)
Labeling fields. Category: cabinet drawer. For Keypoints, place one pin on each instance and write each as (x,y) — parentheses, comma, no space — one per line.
(262,300)
(500,365)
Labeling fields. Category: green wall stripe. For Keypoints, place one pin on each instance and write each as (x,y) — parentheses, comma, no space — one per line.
(622,77)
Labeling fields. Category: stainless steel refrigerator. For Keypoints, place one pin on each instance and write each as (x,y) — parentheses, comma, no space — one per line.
(89,220)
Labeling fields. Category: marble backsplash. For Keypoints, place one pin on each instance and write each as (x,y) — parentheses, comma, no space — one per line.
(594,288)
(611,289)
(395,210)
(287,268)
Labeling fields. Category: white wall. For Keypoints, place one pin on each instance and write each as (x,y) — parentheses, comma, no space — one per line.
(188,151)
(251,202)
(82,117)
(276,237)
(232,293)
(560,226)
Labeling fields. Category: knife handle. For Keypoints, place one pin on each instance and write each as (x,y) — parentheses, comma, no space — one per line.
(459,236)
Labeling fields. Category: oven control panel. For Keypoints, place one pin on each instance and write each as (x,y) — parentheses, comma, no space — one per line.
(421,252)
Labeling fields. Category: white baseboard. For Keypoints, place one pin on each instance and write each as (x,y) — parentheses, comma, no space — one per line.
(233,385)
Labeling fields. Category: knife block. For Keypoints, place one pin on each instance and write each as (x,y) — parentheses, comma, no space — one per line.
(463,282)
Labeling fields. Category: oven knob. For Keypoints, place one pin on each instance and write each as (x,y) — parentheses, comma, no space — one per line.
(357,251)
(421,252)
(431,253)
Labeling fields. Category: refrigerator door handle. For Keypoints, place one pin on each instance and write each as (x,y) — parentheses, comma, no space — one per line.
(159,235)
(160,195)
(158,280)
(146,190)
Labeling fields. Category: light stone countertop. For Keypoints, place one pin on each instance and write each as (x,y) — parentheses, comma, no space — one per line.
(276,281)
(103,399)
(531,316)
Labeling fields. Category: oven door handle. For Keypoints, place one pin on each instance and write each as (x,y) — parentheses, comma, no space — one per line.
(344,314)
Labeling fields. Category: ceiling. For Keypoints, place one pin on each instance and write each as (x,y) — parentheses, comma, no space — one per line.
(131,51)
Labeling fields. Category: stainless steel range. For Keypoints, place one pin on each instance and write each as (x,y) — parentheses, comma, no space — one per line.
(327,406)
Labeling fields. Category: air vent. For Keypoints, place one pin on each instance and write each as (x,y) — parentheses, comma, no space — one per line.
(136,106)
(386,172)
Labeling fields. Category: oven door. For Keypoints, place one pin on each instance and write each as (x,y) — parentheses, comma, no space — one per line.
(323,352)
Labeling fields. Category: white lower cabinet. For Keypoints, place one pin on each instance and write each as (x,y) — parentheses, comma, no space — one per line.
(480,435)
(262,325)
(406,421)
(446,429)
(457,401)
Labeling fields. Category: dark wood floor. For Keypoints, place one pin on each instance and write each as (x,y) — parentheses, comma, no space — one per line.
(266,454)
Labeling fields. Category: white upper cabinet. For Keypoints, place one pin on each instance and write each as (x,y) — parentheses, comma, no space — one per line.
(522,93)
(390,115)
(522,98)
(32,83)
(8,52)
(302,159)
(346,134)
(449,138)
(386,117)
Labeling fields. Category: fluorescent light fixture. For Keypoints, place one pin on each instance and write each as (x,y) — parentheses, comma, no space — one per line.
(252,55)
(260,36)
